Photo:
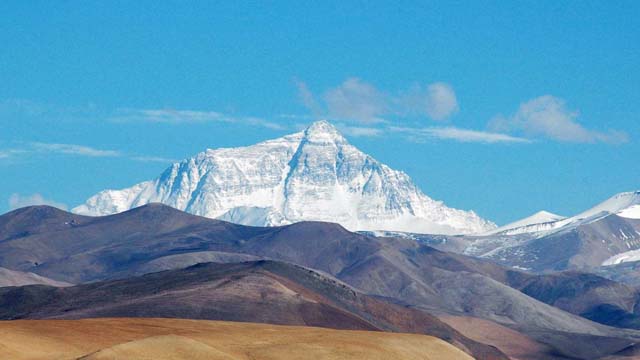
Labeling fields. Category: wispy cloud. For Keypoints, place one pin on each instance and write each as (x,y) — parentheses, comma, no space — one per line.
(172,116)
(169,116)
(22,107)
(360,131)
(17,201)
(34,148)
(307,98)
(305,117)
(73,149)
(548,116)
(8,153)
(153,159)
(457,134)
(50,112)
(263,123)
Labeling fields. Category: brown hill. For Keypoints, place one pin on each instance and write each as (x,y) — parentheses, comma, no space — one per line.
(160,339)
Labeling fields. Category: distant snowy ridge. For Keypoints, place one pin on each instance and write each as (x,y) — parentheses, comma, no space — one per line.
(311,175)
(626,204)
(618,204)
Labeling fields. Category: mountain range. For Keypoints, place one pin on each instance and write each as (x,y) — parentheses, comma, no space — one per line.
(603,236)
(387,277)
(313,175)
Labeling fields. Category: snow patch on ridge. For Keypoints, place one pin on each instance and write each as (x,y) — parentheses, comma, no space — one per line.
(632,212)
(628,256)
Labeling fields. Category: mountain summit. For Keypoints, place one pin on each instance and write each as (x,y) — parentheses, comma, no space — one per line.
(310,175)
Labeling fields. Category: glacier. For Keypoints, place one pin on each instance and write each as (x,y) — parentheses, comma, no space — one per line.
(312,175)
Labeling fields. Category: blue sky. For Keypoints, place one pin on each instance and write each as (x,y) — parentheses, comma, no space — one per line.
(505,109)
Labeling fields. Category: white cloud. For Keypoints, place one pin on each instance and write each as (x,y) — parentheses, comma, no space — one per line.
(441,101)
(548,116)
(438,101)
(356,100)
(72,149)
(17,201)
(457,134)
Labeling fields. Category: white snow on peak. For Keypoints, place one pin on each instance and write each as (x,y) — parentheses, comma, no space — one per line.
(323,132)
(537,220)
(310,175)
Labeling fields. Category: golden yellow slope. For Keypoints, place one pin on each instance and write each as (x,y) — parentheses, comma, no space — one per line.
(134,338)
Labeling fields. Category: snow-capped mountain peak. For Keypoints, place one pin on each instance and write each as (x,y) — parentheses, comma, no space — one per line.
(310,175)
(323,132)
(545,216)
(535,222)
